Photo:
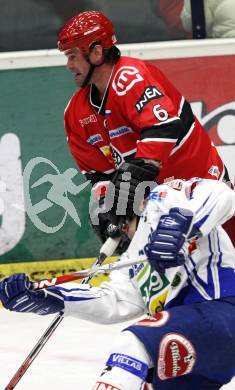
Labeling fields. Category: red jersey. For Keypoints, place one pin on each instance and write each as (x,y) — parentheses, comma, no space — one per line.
(141,115)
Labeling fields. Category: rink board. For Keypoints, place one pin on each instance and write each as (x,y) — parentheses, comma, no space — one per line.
(49,269)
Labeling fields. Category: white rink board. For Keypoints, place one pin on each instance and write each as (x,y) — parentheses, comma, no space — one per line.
(71,359)
(146,50)
(227,154)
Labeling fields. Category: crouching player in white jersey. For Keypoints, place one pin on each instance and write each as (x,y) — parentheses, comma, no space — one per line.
(187,290)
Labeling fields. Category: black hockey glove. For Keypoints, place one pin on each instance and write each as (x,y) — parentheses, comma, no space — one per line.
(128,176)
(107,225)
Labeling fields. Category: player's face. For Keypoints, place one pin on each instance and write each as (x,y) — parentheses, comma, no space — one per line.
(131,227)
(77,64)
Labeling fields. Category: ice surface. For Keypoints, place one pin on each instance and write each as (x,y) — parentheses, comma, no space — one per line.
(71,360)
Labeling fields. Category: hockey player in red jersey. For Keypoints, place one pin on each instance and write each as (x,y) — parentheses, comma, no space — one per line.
(127,117)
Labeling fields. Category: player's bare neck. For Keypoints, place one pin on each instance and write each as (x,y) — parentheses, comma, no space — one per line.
(102,77)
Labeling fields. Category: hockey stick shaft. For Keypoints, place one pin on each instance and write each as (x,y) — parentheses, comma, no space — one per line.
(106,250)
(87,273)
(35,351)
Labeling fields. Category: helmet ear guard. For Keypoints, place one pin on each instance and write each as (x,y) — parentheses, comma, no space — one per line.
(85,29)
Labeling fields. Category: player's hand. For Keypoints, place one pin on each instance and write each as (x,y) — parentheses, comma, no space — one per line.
(164,249)
(16,296)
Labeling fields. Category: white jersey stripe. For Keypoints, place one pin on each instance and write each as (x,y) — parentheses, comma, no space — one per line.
(175,118)
(128,153)
(181,105)
(215,257)
(170,140)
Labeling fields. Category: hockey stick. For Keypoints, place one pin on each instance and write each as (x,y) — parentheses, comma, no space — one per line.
(86,273)
(106,250)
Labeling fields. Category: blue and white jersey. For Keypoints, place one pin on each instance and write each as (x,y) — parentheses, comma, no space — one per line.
(208,272)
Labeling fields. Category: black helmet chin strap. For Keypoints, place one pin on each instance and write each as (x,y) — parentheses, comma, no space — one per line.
(89,74)
(90,71)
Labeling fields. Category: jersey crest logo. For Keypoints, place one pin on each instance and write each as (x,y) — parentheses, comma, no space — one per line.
(125,78)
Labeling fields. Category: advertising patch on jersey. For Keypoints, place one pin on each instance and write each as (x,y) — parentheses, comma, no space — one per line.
(176,184)
(87,120)
(107,152)
(128,363)
(150,93)
(177,356)
(154,288)
(177,280)
(104,386)
(136,268)
(93,139)
(119,132)
(157,321)
(214,171)
(159,196)
(117,156)
(125,78)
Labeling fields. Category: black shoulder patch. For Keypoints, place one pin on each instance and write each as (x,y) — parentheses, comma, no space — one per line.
(150,93)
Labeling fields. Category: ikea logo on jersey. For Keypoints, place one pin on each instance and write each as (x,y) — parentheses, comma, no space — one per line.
(159,196)
(150,93)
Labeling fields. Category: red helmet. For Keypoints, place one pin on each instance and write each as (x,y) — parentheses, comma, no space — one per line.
(86,28)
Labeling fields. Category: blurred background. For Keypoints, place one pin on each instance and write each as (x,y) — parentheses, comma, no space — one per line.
(34,24)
